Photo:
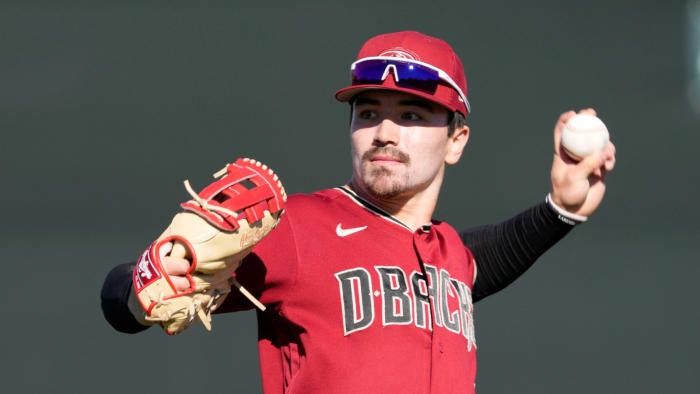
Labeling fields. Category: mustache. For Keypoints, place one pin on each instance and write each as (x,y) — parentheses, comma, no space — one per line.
(389,151)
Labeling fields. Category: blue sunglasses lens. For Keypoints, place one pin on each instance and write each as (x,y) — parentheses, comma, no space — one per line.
(410,75)
(369,71)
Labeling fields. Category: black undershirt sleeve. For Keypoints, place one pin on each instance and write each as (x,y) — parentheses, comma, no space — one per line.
(504,251)
(115,300)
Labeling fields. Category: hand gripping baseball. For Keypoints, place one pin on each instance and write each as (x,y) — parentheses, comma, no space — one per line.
(218,229)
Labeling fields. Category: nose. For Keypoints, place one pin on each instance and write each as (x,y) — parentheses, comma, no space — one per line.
(387,133)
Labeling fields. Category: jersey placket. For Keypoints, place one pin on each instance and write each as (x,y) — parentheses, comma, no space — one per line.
(421,244)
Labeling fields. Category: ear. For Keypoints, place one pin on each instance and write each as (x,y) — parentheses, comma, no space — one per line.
(455,144)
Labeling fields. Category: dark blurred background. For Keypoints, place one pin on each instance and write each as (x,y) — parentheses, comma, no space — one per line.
(105,107)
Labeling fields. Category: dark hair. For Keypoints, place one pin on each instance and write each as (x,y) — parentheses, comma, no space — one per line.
(455,120)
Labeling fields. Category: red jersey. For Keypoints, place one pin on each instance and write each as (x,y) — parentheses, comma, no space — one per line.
(359,303)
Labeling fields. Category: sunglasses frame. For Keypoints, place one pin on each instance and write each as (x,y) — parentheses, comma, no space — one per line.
(441,74)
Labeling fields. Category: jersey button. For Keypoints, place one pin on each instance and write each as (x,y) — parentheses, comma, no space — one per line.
(440,347)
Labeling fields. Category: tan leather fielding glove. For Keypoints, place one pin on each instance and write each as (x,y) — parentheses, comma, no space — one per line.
(218,229)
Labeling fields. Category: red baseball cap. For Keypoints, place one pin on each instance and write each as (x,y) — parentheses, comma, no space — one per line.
(425,50)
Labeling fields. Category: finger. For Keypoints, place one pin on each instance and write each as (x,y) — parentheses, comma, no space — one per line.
(589,165)
(175,265)
(563,118)
(589,111)
(610,158)
(180,283)
(598,184)
(179,250)
(165,249)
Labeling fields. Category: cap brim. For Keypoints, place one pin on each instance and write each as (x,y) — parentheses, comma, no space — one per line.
(347,93)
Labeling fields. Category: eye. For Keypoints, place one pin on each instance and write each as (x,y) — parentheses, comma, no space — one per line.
(412,116)
(366,114)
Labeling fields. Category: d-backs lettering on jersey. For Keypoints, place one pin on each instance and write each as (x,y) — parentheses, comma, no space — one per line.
(406,299)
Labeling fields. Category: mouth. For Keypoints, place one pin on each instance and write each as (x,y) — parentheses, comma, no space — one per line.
(384,159)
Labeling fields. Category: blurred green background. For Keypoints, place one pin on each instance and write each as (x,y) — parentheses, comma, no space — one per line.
(105,107)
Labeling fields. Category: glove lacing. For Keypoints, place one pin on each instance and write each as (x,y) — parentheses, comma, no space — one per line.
(205,206)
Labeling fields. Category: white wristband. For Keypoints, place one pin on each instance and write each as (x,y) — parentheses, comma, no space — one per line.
(564,216)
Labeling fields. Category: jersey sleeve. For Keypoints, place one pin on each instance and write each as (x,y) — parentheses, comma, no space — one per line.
(505,250)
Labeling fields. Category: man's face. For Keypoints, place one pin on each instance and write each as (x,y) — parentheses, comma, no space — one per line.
(399,143)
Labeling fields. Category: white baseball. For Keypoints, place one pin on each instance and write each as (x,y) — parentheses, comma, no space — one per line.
(584,134)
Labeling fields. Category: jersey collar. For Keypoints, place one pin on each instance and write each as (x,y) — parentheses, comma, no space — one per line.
(376,210)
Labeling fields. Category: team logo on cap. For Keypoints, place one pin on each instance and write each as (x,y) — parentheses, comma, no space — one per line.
(402,53)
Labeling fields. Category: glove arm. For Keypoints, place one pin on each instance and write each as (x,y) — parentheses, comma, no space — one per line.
(116,292)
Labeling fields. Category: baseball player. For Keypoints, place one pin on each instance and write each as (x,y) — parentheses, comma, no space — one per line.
(365,292)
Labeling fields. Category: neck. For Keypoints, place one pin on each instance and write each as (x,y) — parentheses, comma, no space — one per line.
(413,208)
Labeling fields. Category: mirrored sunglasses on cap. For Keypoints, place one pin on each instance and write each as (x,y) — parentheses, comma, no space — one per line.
(408,73)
